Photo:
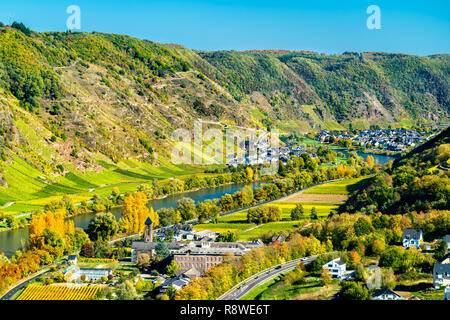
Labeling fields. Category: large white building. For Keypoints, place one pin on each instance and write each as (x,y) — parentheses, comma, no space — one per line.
(336,267)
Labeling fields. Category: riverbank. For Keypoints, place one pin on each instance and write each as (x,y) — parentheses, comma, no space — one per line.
(16,239)
(237,221)
(27,216)
(379,152)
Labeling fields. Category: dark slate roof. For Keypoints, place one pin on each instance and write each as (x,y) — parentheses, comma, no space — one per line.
(441,268)
(141,245)
(384,291)
(447,256)
(148,222)
(411,234)
(340,262)
(178,281)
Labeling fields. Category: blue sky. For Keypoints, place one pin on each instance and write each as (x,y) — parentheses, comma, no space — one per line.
(330,26)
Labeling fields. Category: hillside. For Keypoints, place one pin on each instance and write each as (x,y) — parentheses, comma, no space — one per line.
(419,181)
(376,88)
(435,152)
(83,110)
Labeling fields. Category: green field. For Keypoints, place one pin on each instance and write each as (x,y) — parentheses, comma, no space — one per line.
(256,293)
(343,187)
(277,289)
(237,222)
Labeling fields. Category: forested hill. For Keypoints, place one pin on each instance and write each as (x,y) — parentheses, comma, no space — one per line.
(83,100)
(379,87)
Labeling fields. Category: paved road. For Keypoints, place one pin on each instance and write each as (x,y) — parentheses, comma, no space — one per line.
(248,285)
(12,292)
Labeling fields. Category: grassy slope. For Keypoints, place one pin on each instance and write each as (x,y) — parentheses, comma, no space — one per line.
(31,193)
(277,289)
(237,222)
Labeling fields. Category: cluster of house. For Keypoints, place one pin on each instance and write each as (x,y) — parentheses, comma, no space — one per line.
(441,271)
(193,258)
(338,270)
(411,238)
(395,140)
(262,153)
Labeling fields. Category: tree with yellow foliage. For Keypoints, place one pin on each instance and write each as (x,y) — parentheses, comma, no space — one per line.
(249,174)
(355,258)
(135,212)
(370,161)
(53,221)
(154,216)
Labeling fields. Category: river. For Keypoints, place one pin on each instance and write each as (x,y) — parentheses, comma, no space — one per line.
(13,240)
(378,158)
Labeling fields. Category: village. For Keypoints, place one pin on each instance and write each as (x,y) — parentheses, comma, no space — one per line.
(394,140)
(192,254)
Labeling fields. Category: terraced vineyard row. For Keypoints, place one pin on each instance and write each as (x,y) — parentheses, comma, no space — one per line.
(58,292)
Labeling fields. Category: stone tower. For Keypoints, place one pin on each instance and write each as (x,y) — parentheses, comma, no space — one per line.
(148,233)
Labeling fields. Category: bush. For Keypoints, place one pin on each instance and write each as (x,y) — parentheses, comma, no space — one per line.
(353,291)
(264,214)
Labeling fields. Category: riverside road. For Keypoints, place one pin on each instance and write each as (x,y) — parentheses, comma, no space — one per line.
(248,285)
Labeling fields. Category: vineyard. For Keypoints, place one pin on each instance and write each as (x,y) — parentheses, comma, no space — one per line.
(59,292)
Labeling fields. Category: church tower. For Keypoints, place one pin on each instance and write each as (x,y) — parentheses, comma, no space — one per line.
(148,233)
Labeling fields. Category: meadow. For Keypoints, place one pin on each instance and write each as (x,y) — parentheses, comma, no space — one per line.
(277,289)
(343,187)
(237,222)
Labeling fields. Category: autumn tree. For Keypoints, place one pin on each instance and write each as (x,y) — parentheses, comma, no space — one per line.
(370,161)
(249,174)
(126,291)
(154,217)
(87,250)
(143,260)
(171,268)
(135,212)
(355,258)
(378,247)
(103,226)
(325,278)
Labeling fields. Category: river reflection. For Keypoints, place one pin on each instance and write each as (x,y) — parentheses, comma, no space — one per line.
(13,240)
